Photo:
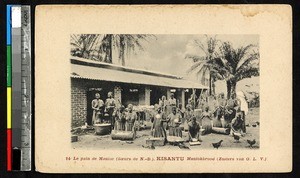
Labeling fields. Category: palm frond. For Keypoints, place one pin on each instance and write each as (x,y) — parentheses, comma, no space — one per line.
(247,73)
(195,58)
(197,65)
(250,59)
(201,46)
(201,73)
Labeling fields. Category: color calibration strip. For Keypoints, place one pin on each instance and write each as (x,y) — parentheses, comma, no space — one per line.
(18,88)
(9,94)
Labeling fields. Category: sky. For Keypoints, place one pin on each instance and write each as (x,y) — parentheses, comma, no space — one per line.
(166,53)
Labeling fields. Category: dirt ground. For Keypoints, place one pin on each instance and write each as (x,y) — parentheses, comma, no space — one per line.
(91,141)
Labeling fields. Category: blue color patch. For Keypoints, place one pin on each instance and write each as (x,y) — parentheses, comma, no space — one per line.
(8,24)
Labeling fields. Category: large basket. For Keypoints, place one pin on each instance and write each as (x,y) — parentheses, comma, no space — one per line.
(102,129)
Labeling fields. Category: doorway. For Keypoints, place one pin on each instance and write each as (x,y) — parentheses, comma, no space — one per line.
(156,93)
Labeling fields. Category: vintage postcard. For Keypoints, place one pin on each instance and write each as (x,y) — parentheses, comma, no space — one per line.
(163,89)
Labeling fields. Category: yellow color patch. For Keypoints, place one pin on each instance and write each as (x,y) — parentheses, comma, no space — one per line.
(9,107)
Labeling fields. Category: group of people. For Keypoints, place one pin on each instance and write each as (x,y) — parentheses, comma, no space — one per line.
(225,113)
(170,116)
(103,112)
(120,118)
(211,111)
(125,118)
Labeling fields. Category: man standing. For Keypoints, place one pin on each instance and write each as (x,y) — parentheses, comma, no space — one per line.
(110,106)
(97,106)
(172,100)
(163,103)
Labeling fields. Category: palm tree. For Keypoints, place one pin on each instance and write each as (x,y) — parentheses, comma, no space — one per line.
(85,45)
(100,47)
(122,43)
(105,48)
(225,63)
(205,64)
(237,64)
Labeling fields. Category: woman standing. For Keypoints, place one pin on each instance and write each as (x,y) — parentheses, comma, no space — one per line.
(157,127)
(97,106)
(131,117)
(206,119)
(110,107)
(174,121)
(120,118)
(220,111)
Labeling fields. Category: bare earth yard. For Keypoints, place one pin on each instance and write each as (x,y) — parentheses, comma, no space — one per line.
(94,142)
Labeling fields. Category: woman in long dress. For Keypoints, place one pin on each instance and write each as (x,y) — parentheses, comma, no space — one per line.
(220,111)
(97,106)
(206,119)
(188,114)
(174,121)
(157,127)
(131,117)
(120,118)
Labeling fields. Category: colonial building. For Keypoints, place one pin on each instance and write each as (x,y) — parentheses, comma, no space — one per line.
(129,85)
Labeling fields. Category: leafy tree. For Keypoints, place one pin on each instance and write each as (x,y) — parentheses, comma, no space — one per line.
(205,64)
(237,64)
(222,62)
(101,47)
(85,45)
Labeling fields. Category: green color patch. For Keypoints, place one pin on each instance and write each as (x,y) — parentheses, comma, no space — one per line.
(8,66)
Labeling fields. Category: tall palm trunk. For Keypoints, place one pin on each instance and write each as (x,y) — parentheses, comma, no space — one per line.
(210,85)
(108,49)
(233,87)
(213,87)
(122,49)
(228,85)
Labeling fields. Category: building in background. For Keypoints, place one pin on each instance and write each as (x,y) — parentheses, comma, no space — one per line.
(129,85)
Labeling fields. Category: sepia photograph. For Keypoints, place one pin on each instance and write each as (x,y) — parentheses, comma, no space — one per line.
(165,91)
